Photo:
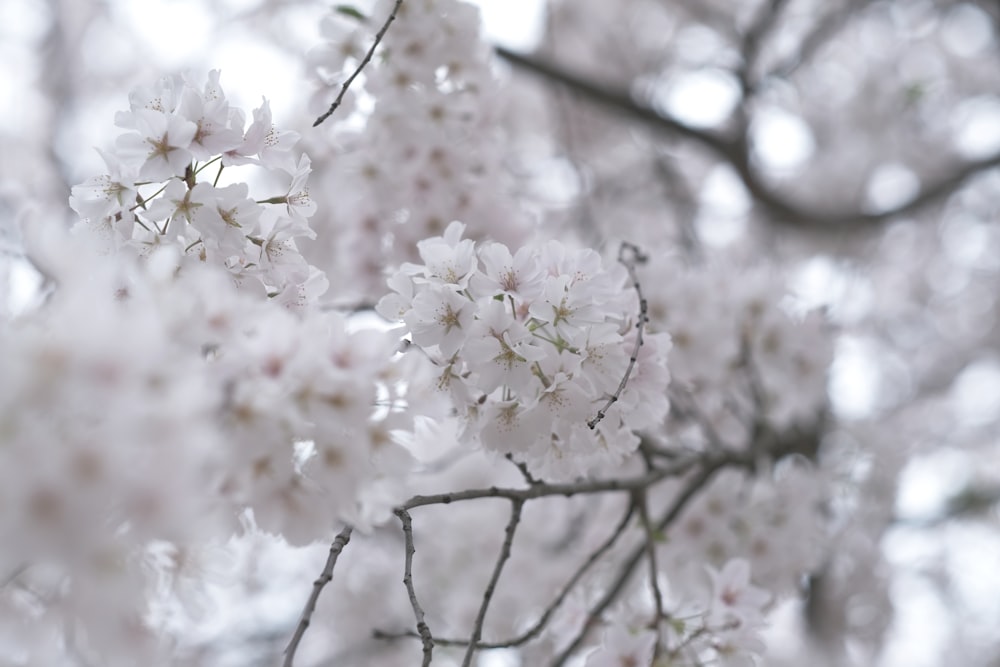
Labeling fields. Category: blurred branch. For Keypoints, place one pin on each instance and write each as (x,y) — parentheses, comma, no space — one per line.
(822,31)
(971,502)
(679,193)
(753,40)
(13,575)
(734,150)
(641,501)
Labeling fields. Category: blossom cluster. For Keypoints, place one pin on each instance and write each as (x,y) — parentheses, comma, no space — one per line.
(737,353)
(721,624)
(430,149)
(774,522)
(531,346)
(164,186)
(180,386)
(164,396)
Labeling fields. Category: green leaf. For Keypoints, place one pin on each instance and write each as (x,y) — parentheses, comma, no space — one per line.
(352,11)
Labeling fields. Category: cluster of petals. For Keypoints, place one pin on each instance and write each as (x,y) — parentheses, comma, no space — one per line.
(430,149)
(531,345)
(775,522)
(145,409)
(716,618)
(740,355)
(165,186)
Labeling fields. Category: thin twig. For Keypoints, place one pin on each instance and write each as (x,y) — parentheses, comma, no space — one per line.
(707,463)
(477,630)
(540,624)
(641,501)
(616,588)
(364,61)
(422,628)
(634,257)
(324,578)
(528,477)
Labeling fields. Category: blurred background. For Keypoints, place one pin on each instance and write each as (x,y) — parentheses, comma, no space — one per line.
(853,145)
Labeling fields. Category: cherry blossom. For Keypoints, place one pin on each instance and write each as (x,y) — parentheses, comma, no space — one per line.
(561,454)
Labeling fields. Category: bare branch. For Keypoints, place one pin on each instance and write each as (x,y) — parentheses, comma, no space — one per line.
(422,629)
(642,503)
(625,572)
(573,488)
(477,630)
(712,460)
(708,464)
(528,477)
(324,578)
(364,61)
(540,624)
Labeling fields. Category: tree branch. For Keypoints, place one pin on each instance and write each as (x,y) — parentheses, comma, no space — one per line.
(734,151)
(708,464)
(422,628)
(364,61)
(641,501)
(822,31)
(712,460)
(543,620)
(477,630)
(616,588)
(543,490)
(523,467)
(753,41)
(324,578)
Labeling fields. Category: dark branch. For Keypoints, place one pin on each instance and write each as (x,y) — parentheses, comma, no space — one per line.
(423,630)
(573,488)
(477,630)
(324,578)
(364,61)
(641,501)
(735,151)
(543,621)
(625,572)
